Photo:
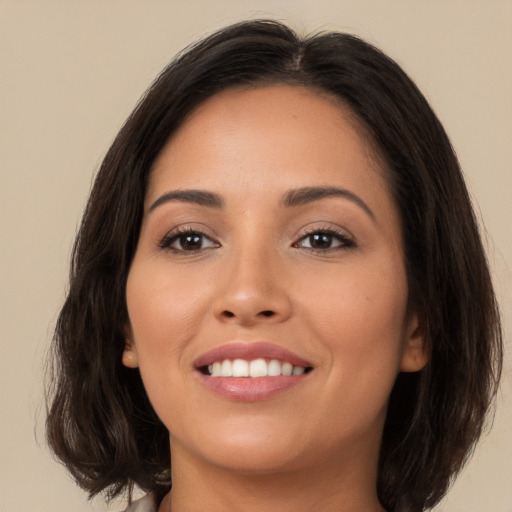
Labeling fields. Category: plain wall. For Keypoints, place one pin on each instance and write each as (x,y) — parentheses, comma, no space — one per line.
(70,73)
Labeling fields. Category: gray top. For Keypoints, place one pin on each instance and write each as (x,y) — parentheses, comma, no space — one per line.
(144,504)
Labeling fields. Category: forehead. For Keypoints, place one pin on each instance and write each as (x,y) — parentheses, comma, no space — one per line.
(281,135)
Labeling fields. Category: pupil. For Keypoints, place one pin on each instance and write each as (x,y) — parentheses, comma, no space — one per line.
(191,242)
(320,241)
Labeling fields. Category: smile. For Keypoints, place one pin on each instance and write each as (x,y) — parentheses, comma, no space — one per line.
(256,368)
(251,371)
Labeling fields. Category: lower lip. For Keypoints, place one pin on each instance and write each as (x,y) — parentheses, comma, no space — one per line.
(247,389)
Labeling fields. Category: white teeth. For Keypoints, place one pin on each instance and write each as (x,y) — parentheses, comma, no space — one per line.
(287,368)
(226,369)
(240,368)
(258,368)
(274,368)
(255,368)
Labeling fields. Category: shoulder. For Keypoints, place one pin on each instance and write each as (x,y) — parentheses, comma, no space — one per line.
(145,504)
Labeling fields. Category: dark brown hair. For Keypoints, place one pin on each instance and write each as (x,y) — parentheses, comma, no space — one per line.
(100,422)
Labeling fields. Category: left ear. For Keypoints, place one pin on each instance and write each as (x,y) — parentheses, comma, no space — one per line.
(415,352)
(130,358)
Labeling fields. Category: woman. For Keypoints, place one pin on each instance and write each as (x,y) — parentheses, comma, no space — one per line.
(279,284)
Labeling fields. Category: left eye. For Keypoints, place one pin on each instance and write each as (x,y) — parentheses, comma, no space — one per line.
(188,241)
(324,240)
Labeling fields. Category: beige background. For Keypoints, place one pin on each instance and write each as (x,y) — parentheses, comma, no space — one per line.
(71,71)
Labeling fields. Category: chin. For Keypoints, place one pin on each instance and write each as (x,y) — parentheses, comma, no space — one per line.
(257,460)
(249,447)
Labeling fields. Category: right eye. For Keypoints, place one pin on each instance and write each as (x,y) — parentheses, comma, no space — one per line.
(187,241)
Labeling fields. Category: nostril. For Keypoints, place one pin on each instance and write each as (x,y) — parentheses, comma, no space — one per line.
(267,313)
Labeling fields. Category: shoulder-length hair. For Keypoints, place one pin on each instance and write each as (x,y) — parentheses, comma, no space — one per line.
(100,422)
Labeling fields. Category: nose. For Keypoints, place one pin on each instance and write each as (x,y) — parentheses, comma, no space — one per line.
(252,290)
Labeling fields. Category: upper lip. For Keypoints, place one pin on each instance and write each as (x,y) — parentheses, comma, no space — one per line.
(249,352)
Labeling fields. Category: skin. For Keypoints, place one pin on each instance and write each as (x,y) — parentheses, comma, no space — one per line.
(343,307)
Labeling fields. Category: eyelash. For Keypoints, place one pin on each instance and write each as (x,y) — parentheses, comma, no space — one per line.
(180,233)
(345,241)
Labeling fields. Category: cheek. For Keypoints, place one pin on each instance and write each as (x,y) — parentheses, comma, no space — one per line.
(161,303)
(165,312)
(360,317)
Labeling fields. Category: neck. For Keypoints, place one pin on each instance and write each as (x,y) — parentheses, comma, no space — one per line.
(200,486)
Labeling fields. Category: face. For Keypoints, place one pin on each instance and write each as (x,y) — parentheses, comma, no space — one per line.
(270,245)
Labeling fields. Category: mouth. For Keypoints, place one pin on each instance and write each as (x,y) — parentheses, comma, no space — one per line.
(256,368)
(255,359)
(251,371)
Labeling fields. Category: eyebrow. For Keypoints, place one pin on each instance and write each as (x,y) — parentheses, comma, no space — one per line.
(292,198)
(200,197)
(306,195)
